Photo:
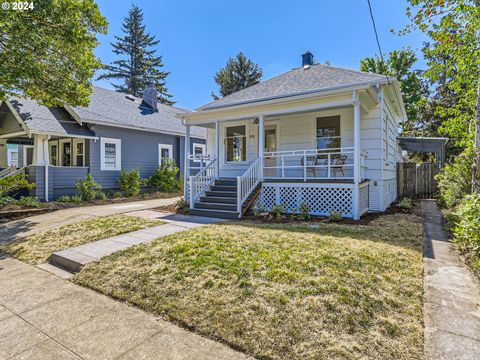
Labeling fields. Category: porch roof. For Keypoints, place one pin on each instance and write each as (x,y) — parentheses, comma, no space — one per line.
(315,78)
(41,119)
(422,144)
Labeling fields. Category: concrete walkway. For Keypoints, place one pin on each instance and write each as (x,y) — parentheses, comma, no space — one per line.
(45,317)
(452,295)
(24,227)
(74,258)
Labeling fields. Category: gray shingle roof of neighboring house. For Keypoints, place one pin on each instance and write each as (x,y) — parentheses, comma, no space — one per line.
(298,81)
(47,120)
(112,108)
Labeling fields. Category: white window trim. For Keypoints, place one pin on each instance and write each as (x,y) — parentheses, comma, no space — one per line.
(247,143)
(60,151)
(50,144)
(118,153)
(170,152)
(201,146)
(74,152)
(10,162)
(25,147)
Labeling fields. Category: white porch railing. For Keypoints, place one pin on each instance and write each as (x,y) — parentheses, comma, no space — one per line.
(247,182)
(199,161)
(335,163)
(201,181)
(363,167)
(12,171)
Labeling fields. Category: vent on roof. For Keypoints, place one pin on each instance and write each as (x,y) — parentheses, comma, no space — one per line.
(130,97)
(307,60)
(150,96)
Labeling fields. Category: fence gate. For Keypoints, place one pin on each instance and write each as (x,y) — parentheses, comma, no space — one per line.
(416,181)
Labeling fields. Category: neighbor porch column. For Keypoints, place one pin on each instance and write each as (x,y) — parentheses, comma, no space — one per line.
(186,170)
(261,143)
(356,156)
(217,148)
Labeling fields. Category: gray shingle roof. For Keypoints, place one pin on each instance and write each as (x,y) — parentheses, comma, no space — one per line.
(294,82)
(112,108)
(48,120)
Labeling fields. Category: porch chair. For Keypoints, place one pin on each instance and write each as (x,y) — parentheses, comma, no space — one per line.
(339,162)
(310,162)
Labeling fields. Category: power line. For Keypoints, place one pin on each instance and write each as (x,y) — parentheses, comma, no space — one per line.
(376,36)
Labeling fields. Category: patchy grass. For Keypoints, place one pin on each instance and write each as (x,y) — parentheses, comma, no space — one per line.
(36,249)
(282,291)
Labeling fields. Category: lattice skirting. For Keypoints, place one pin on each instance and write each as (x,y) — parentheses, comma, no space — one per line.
(321,198)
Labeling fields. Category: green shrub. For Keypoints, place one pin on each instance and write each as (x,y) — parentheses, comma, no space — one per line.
(304,212)
(182,206)
(13,183)
(165,177)
(335,215)
(278,210)
(6,200)
(117,195)
(129,182)
(466,228)
(100,196)
(28,201)
(74,199)
(455,180)
(406,203)
(88,188)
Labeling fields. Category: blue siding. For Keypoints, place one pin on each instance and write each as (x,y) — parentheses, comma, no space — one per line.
(139,150)
(63,179)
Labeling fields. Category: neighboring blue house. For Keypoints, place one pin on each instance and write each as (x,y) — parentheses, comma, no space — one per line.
(59,145)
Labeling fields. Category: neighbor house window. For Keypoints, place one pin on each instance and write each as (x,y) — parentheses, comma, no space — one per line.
(54,154)
(236,142)
(328,132)
(111,154)
(165,153)
(198,150)
(79,152)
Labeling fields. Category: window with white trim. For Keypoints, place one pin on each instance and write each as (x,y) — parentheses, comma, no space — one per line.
(79,152)
(165,153)
(54,153)
(110,154)
(199,150)
(236,143)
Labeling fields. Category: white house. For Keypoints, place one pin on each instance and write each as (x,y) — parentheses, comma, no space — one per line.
(318,134)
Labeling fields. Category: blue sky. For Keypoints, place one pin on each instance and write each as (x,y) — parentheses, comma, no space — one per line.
(198,36)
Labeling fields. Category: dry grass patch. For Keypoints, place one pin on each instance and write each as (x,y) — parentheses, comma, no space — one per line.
(36,249)
(282,291)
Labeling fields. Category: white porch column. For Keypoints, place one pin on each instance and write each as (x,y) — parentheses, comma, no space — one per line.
(356,156)
(217,148)
(38,152)
(261,143)
(186,168)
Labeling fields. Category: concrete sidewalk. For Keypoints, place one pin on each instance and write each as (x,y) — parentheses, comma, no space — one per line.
(45,317)
(74,258)
(451,297)
(34,224)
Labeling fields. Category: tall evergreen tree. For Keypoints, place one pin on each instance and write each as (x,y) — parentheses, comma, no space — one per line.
(239,73)
(140,66)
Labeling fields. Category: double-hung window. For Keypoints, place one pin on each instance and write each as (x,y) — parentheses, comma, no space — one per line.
(328,132)
(79,152)
(236,143)
(198,151)
(110,154)
(165,153)
(54,154)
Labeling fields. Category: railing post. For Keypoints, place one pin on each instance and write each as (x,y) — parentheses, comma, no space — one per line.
(328,166)
(304,166)
(239,196)
(283,166)
(191,191)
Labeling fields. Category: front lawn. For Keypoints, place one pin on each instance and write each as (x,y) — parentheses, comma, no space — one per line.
(282,291)
(37,248)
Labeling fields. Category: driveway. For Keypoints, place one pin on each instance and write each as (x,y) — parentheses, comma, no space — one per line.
(34,224)
(45,317)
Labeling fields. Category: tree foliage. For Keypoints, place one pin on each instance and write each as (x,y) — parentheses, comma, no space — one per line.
(400,64)
(239,73)
(47,53)
(139,66)
(453,60)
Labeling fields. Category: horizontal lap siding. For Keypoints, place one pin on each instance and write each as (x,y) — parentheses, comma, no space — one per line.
(64,179)
(139,150)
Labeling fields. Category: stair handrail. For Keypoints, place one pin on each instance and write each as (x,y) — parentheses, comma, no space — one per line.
(202,181)
(4,174)
(247,182)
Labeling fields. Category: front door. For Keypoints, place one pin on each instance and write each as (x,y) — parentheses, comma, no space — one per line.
(270,145)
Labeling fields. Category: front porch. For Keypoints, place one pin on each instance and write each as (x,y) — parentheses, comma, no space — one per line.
(292,157)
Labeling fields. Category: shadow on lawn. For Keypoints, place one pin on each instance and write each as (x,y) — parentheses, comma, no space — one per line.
(390,229)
